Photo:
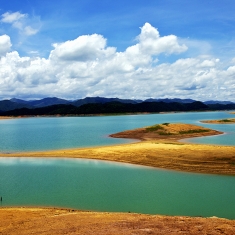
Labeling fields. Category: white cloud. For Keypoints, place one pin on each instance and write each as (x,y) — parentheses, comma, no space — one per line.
(152,43)
(86,47)
(86,66)
(12,17)
(5,44)
(22,22)
(30,31)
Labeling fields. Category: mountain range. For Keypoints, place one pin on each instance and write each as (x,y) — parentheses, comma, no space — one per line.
(99,103)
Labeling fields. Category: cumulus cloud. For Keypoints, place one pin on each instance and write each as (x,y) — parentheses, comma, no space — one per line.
(21,22)
(86,47)
(5,44)
(87,66)
(152,43)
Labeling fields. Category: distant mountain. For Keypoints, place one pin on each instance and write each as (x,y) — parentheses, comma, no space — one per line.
(177,100)
(221,106)
(95,105)
(43,102)
(102,100)
(48,102)
(7,105)
(109,108)
(217,102)
(19,101)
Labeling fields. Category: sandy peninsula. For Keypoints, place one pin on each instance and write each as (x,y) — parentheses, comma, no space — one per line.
(159,147)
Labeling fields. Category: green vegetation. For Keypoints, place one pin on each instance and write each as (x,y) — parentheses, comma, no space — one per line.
(154,128)
(113,107)
(165,124)
(164,133)
(161,130)
(225,120)
(193,131)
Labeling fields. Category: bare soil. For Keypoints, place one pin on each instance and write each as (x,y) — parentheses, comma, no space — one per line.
(24,221)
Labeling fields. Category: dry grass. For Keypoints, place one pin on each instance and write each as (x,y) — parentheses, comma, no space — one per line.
(24,221)
(221,121)
(172,131)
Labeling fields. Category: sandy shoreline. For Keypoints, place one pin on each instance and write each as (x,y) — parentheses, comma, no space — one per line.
(55,221)
(160,151)
(208,159)
(3,117)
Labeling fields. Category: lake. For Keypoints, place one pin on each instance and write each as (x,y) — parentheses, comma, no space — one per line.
(102,185)
(33,134)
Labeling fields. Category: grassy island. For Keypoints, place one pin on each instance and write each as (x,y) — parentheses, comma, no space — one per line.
(167,131)
(221,121)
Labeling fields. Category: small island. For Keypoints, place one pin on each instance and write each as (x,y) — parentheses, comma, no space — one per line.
(167,131)
(220,121)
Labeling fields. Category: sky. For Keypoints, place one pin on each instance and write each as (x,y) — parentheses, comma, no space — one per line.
(133,49)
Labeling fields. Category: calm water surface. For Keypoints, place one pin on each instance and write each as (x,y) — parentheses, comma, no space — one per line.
(104,186)
(29,134)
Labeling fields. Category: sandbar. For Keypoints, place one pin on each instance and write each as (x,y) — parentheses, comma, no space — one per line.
(157,150)
(220,121)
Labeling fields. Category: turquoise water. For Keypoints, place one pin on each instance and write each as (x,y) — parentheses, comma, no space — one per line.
(28,134)
(105,186)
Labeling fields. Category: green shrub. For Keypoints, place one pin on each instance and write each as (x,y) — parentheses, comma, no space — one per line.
(166,123)
(193,131)
(164,133)
(225,120)
(154,128)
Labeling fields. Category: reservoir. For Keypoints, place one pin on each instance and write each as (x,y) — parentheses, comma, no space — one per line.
(106,186)
(102,185)
(48,133)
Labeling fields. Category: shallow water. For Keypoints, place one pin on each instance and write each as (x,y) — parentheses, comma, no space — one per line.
(29,134)
(106,186)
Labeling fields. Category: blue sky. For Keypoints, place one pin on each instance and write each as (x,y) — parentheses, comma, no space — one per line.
(72,49)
